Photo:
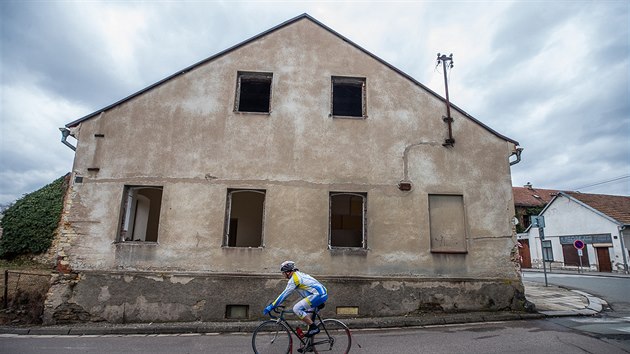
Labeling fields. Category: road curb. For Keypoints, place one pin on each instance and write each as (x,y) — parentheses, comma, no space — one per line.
(249,326)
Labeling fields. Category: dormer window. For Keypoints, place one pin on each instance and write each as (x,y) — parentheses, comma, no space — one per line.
(348,97)
(253,92)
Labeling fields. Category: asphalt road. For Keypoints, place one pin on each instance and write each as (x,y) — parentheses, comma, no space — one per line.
(612,325)
(534,336)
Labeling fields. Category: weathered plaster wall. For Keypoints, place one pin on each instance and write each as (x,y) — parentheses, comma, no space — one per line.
(184,135)
(121,297)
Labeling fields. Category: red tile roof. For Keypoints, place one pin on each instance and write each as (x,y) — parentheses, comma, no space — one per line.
(532,197)
(615,206)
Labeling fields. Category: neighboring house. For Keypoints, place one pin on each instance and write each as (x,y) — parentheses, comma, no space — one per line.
(295,144)
(528,201)
(601,222)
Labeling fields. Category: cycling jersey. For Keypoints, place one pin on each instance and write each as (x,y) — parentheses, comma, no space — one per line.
(311,290)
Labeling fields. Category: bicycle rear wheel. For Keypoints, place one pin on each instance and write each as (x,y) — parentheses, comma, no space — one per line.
(271,337)
(334,337)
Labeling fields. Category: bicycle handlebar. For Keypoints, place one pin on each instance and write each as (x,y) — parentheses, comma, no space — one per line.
(280,310)
(275,309)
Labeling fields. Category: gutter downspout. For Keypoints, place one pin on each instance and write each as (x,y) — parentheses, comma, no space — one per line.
(65,132)
(516,152)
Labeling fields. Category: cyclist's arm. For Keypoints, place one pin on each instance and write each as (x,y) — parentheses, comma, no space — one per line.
(287,291)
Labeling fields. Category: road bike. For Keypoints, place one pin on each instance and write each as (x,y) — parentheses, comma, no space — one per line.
(274,335)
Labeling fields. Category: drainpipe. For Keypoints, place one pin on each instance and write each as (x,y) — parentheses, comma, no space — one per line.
(516,152)
(623,248)
(65,132)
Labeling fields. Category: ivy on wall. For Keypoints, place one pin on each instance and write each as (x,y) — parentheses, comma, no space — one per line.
(28,226)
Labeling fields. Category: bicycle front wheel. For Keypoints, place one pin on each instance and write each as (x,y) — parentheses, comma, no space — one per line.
(334,337)
(271,337)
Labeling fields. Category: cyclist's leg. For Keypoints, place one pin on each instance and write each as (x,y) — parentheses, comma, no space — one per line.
(308,304)
(301,307)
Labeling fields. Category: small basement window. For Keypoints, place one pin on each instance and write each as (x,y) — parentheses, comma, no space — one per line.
(140,218)
(447,223)
(348,310)
(253,92)
(245,213)
(237,311)
(348,97)
(347,220)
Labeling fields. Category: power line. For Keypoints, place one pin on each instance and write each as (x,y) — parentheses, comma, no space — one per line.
(603,182)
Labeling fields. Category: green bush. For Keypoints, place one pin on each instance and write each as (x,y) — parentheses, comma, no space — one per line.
(28,226)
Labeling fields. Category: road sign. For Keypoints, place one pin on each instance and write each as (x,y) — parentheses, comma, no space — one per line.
(578,244)
(579,253)
(537,221)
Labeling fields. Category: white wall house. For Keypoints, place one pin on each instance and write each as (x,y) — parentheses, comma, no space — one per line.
(601,222)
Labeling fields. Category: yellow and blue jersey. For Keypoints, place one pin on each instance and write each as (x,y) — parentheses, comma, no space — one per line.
(305,285)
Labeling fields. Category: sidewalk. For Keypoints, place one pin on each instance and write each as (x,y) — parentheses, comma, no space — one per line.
(550,301)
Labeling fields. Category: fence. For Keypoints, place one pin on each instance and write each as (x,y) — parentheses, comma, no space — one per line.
(24,288)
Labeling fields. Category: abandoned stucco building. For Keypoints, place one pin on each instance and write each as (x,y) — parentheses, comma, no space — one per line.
(295,144)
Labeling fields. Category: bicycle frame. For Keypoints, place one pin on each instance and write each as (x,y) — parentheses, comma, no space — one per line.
(333,333)
(304,340)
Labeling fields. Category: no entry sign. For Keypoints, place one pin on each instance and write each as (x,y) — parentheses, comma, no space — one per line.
(578,244)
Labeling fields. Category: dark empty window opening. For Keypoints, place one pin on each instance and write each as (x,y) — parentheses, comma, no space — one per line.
(253,92)
(237,311)
(347,220)
(140,218)
(348,97)
(244,218)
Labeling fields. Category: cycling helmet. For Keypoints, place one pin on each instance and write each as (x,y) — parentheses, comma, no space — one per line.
(287,266)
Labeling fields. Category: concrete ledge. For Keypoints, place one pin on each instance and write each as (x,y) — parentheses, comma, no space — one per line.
(14,330)
(49,331)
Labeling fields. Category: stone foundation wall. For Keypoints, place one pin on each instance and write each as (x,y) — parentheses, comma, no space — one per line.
(125,297)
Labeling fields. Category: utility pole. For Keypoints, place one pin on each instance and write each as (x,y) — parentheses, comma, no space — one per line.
(443,59)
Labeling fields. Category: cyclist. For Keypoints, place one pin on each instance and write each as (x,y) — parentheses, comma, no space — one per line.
(312,291)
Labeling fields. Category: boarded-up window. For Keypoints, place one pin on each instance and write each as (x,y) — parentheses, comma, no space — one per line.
(244,218)
(140,218)
(447,223)
(347,219)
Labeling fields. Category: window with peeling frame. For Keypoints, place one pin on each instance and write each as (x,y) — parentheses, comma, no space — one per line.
(348,97)
(140,214)
(347,220)
(253,92)
(245,214)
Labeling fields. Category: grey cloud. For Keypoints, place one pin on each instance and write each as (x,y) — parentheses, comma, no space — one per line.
(45,41)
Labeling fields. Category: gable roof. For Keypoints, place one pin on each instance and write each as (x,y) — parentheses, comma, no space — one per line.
(282,25)
(532,197)
(615,207)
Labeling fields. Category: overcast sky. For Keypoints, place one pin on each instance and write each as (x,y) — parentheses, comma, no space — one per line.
(553,75)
